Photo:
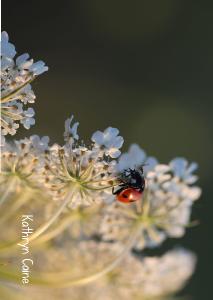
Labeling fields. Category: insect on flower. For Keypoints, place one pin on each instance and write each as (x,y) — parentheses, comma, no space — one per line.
(131,187)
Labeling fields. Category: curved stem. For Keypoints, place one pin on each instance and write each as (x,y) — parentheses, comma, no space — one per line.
(46,225)
(19,202)
(41,229)
(50,235)
(8,191)
(99,189)
(61,281)
(9,97)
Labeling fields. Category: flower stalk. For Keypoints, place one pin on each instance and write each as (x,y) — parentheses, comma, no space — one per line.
(83,180)
(63,281)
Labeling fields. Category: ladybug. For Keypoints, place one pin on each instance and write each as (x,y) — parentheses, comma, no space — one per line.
(131,187)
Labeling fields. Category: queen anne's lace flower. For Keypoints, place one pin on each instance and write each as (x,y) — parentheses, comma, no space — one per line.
(183,170)
(136,277)
(165,209)
(88,171)
(20,162)
(7,49)
(109,141)
(147,278)
(135,158)
(70,131)
(96,239)
(40,144)
(16,92)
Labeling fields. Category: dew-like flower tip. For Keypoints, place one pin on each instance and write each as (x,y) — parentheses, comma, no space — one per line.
(16,92)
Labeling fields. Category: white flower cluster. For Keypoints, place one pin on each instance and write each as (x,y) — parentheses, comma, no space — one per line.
(166,203)
(16,91)
(81,179)
(79,176)
(85,174)
(146,278)
(75,173)
(20,162)
(136,277)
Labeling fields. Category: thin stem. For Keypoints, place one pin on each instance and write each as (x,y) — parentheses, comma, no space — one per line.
(13,93)
(46,225)
(43,228)
(8,190)
(98,189)
(56,231)
(19,202)
(64,167)
(60,281)
(100,180)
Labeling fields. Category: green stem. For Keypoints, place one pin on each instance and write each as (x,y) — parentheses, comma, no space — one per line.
(56,231)
(46,225)
(18,203)
(8,97)
(41,229)
(8,190)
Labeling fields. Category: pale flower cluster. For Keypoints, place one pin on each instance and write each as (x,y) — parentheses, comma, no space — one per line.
(78,179)
(146,278)
(136,277)
(16,92)
(166,204)
(83,174)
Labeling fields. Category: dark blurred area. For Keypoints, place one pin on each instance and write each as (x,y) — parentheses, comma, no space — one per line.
(142,66)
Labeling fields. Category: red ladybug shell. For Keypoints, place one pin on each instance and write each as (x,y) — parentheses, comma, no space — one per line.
(129,195)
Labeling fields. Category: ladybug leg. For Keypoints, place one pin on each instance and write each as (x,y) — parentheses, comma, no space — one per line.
(141,168)
(116,192)
(113,191)
(122,187)
(123,184)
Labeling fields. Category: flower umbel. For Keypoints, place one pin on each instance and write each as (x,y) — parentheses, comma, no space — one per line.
(90,230)
(20,162)
(165,207)
(146,278)
(16,91)
(91,171)
(109,141)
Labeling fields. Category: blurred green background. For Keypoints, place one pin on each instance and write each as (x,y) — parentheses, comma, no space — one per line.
(142,66)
